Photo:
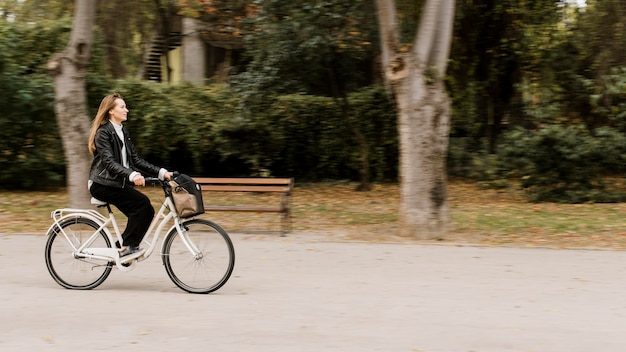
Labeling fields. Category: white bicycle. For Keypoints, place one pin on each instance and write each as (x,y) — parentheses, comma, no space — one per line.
(198,254)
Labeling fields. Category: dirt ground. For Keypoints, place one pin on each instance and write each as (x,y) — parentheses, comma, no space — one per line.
(480,216)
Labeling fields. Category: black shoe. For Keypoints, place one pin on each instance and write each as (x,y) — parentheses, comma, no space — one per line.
(129,250)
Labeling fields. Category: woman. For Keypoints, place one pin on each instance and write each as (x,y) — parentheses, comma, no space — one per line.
(115,171)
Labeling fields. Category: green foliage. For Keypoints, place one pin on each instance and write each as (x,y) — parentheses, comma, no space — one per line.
(217,10)
(466,159)
(535,64)
(599,37)
(120,48)
(609,103)
(499,48)
(31,150)
(566,164)
(31,154)
(313,47)
(377,119)
(532,64)
(201,131)
(36,11)
(311,139)
(317,47)
(172,125)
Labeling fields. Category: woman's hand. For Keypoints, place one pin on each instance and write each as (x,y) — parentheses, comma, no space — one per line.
(139,180)
(168,175)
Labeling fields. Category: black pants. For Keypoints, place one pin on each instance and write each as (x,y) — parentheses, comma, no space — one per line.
(134,204)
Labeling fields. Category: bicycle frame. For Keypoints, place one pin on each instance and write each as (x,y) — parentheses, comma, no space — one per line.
(166,213)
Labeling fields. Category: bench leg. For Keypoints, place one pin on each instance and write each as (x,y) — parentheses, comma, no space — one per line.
(285,223)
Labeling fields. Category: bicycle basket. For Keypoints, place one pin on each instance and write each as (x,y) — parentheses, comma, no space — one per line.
(187,196)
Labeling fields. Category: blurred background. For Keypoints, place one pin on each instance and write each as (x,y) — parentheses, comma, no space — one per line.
(258,88)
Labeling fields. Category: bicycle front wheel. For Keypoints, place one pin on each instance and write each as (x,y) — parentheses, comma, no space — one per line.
(199,258)
(68,268)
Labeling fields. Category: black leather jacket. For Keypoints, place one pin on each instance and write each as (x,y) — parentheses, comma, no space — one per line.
(107,168)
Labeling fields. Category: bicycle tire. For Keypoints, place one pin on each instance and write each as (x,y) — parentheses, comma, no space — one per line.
(206,270)
(69,270)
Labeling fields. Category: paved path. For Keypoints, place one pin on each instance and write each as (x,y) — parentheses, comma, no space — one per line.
(310,293)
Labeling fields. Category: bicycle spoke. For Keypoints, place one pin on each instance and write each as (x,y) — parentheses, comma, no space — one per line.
(202,259)
(64,266)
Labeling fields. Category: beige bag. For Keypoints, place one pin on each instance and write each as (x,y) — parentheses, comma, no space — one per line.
(187,196)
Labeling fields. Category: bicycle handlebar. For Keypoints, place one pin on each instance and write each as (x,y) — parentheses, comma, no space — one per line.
(156,181)
(153,180)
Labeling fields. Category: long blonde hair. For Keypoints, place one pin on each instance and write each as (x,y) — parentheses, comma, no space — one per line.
(106,105)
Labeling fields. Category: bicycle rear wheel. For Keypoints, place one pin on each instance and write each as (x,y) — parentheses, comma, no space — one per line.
(203,260)
(68,269)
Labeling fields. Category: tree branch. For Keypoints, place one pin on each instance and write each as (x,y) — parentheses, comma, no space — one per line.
(432,43)
(438,59)
(388,25)
(426,33)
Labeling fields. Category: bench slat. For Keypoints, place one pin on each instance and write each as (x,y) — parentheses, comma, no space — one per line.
(228,188)
(244,208)
(243,181)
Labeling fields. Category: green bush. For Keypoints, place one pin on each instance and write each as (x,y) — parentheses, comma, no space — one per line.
(31,154)
(609,101)
(566,164)
(207,131)
(311,139)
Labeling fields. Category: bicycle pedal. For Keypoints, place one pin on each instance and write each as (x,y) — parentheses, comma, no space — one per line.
(133,256)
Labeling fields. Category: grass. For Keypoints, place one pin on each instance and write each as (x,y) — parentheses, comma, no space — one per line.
(480,216)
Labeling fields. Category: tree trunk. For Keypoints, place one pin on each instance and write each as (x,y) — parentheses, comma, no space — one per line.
(194,55)
(68,70)
(415,78)
(423,129)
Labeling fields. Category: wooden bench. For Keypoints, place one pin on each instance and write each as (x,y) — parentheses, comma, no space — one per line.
(282,186)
